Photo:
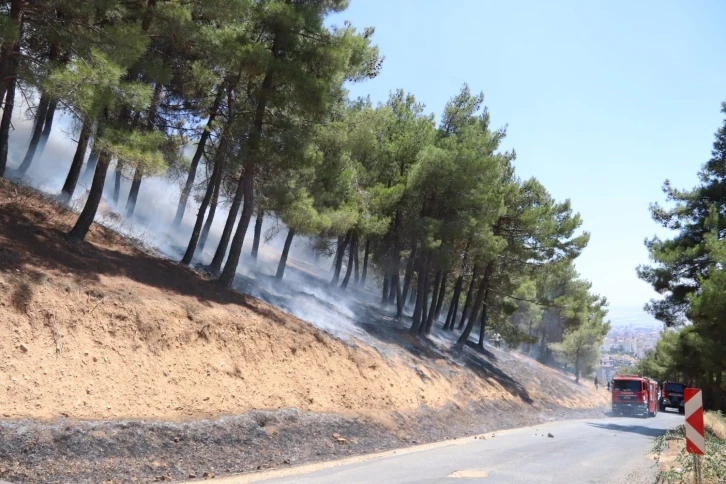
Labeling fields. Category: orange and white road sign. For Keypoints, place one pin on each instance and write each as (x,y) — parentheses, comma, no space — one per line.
(695,441)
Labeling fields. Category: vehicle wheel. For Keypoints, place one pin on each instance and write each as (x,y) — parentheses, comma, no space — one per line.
(652,414)
(682,410)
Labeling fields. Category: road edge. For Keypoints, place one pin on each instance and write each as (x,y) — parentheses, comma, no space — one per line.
(249,478)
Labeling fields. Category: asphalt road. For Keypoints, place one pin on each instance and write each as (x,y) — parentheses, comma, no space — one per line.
(609,450)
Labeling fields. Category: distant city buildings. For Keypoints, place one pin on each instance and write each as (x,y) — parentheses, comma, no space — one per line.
(623,347)
(630,341)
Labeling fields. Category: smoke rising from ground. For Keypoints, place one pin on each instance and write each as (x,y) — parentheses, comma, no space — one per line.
(304,292)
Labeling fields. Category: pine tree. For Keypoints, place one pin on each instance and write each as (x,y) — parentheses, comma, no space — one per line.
(680,262)
(580,346)
(94,87)
(291,61)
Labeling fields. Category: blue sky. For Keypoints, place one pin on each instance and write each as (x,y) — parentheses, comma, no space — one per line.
(604,100)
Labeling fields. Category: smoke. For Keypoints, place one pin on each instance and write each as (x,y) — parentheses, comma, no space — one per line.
(304,291)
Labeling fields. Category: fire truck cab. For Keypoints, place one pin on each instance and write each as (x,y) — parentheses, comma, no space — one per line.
(634,395)
(672,396)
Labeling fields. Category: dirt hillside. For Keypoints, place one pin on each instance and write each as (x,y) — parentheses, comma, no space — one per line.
(107,331)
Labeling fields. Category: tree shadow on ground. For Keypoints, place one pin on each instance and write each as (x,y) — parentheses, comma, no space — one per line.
(36,238)
(635,429)
(481,361)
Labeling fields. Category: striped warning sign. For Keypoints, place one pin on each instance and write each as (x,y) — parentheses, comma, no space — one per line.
(695,441)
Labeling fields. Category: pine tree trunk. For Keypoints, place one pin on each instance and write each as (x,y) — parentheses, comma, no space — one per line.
(134,192)
(258,233)
(221,251)
(481,296)
(543,346)
(349,269)
(577,368)
(91,164)
(339,258)
(365,262)
(399,300)
(472,314)
(47,127)
(40,114)
(3,84)
(8,56)
(442,294)
(117,182)
(454,305)
(235,250)
(75,170)
(409,273)
(338,245)
(529,345)
(392,287)
(5,125)
(410,263)
(483,326)
(467,301)
(418,309)
(196,232)
(253,146)
(384,292)
(455,310)
(718,391)
(85,219)
(285,253)
(8,80)
(434,300)
(425,302)
(209,219)
(201,145)
(356,276)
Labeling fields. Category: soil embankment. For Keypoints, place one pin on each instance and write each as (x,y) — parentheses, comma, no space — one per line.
(98,339)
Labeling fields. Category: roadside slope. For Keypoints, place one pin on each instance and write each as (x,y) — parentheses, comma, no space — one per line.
(107,331)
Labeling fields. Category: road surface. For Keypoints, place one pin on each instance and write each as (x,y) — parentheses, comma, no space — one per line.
(608,450)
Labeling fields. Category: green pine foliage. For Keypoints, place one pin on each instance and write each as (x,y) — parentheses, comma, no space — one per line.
(689,271)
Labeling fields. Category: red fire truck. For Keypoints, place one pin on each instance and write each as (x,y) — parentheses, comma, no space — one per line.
(672,396)
(635,395)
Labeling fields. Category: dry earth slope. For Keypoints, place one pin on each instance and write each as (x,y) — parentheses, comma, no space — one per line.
(118,365)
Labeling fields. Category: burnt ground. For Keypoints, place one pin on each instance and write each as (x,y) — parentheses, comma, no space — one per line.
(149,451)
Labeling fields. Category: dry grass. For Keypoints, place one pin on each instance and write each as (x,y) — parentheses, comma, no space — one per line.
(715,423)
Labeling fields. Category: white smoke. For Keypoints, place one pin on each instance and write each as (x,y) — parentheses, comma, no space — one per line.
(305,291)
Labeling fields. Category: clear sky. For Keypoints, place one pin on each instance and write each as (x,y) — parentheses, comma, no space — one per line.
(604,100)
